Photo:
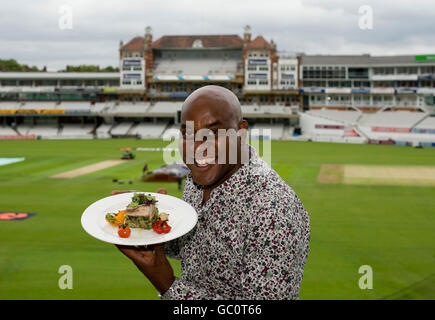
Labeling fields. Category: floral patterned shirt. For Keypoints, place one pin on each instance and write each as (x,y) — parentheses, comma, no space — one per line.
(251,240)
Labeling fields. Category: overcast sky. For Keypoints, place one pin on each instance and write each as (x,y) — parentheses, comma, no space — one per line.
(30,31)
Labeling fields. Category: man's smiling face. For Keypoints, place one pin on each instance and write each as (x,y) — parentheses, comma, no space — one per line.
(209,109)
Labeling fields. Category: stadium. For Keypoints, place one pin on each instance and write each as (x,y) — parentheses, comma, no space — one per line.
(353,135)
(352,99)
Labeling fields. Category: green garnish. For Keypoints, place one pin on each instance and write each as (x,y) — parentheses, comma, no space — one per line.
(111,217)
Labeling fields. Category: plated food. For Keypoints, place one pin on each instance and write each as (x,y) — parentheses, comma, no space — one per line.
(141,213)
(131,219)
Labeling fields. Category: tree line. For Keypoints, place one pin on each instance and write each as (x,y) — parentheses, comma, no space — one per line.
(12,65)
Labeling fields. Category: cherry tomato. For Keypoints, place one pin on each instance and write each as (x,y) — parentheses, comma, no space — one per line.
(156,227)
(166,227)
(124,232)
(161,227)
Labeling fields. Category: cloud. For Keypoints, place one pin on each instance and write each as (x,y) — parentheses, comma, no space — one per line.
(31,33)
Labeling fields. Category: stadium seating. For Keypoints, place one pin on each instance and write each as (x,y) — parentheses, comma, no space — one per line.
(265,109)
(263,129)
(427,123)
(9,105)
(331,126)
(148,130)
(75,106)
(401,127)
(44,131)
(103,131)
(121,129)
(394,119)
(129,108)
(76,131)
(40,105)
(198,67)
(165,107)
(171,131)
(7,130)
(99,107)
(348,117)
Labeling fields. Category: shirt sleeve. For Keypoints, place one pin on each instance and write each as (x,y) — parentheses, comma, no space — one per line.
(275,251)
(184,290)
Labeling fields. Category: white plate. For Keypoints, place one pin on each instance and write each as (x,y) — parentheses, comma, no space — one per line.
(182,219)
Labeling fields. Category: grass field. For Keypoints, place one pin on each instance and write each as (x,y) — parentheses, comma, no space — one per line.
(390,228)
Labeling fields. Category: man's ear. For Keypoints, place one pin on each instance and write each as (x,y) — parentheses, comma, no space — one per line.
(243,124)
(243,128)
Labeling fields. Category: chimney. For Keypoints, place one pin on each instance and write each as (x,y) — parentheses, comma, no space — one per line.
(148,37)
(247,35)
(121,44)
(273,44)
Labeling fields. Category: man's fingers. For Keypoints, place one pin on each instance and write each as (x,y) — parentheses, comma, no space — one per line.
(130,251)
(159,249)
(162,191)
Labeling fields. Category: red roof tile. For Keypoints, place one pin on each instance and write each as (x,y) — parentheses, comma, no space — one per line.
(208,41)
(259,43)
(135,44)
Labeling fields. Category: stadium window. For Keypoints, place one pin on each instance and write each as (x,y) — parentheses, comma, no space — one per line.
(427,70)
(181,87)
(264,83)
(412,70)
(389,70)
(252,83)
(88,83)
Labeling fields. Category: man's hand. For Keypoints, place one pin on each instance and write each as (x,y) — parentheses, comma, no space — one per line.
(151,260)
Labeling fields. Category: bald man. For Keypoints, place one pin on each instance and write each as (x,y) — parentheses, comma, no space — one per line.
(252,236)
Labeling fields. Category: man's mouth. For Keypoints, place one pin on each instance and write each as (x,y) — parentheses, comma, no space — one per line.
(204,163)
